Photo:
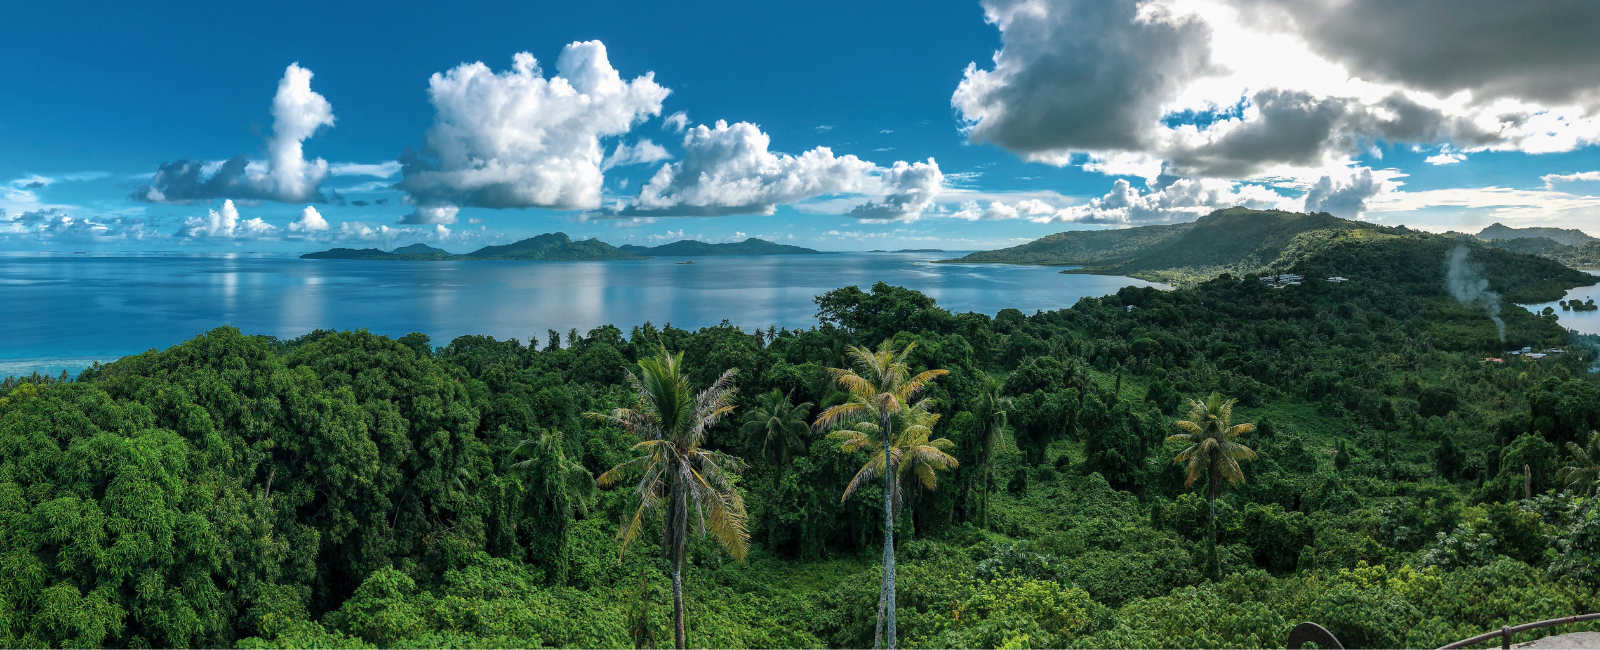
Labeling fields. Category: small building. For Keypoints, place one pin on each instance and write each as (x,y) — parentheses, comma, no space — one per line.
(1526,350)
(1516,353)
(1493,360)
(1535,355)
(1554,351)
(1337,278)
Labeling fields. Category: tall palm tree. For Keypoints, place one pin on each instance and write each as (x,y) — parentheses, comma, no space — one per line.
(874,417)
(776,425)
(1210,433)
(565,488)
(993,411)
(1583,475)
(677,478)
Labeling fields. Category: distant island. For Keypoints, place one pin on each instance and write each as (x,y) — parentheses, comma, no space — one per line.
(412,252)
(693,248)
(920,250)
(1243,241)
(558,247)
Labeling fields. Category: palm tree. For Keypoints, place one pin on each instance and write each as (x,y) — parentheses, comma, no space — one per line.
(776,425)
(566,488)
(1212,450)
(1583,475)
(993,411)
(880,389)
(677,477)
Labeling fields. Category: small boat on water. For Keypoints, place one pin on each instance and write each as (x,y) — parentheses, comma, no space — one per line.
(688,262)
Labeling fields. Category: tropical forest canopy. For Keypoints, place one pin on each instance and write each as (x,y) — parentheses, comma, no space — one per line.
(348,489)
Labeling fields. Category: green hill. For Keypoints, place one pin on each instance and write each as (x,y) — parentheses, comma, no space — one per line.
(420,249)
(554,247)
(349,254)
(1568,237)
(692,248)
(1398,256)
(417,251)
(548,247)
(1244,241)
(1583,256)
(1231,240)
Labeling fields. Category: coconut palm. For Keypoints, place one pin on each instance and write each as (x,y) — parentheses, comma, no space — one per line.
(874,417)
(677,478)
(565,488)
(1210,433)
(776,425)
(993,411)
(1583,475)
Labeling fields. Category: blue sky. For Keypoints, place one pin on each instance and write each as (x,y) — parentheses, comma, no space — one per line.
(953,125)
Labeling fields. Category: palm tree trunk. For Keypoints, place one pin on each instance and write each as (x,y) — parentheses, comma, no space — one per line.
(877,630)
(677,606)
(1215,563)
(888,547)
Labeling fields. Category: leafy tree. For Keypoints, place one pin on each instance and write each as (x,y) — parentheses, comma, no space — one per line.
(776,426)
(677,477)
(874,417)
(1583,474)
(563,490)
(1212,451)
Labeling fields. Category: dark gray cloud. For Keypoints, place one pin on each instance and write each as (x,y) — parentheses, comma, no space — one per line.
(1079,75)
(1303,130)
(185,181)
(1129,87)
(1541,50)
(1346,200)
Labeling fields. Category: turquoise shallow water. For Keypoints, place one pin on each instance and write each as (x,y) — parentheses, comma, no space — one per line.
(66,311)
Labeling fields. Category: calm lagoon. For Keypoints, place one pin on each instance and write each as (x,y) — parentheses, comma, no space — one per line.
(66,311)
(1585,322)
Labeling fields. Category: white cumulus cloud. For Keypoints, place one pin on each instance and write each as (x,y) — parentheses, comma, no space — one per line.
(728,169)
(516,139)
(310,222)
(642,152)
(297,113)
(224,223)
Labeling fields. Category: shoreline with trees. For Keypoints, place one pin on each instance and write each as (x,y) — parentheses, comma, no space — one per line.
(350,490)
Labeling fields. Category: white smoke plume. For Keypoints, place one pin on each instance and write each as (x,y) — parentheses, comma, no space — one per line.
(1469,287)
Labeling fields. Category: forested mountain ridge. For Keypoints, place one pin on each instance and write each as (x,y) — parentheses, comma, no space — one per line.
(559,247)
(350,490)
(692,248)
(1241,241)
(412,252)
(1564,236)
(1237,240)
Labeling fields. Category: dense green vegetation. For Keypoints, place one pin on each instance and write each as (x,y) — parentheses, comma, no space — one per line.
(692,248)
(412,252)
(348,489)
(1583,256)
(1241,241)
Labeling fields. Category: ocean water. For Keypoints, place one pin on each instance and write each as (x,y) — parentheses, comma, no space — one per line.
(66,311)
(1585,322)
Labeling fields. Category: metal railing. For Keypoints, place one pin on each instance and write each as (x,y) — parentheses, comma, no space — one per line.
(1506,631)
